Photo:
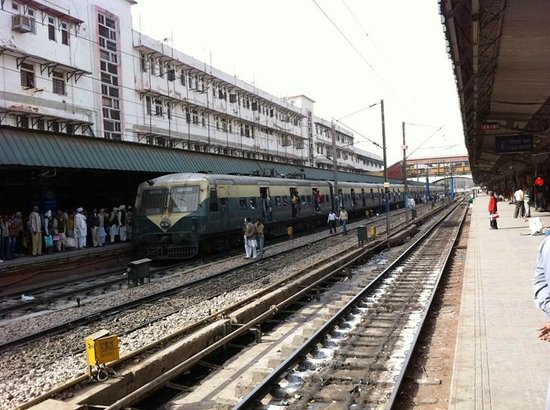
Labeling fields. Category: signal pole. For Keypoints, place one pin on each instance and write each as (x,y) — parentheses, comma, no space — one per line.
(386,183)
(405,187)
(335,167)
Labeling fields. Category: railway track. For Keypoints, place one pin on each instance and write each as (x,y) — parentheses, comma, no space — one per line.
(360,356)
(255,276)
(60,296)
(270,306)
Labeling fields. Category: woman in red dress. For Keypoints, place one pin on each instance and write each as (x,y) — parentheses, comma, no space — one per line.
(492,210)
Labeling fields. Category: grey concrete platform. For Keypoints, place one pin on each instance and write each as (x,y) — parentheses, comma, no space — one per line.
(500,362)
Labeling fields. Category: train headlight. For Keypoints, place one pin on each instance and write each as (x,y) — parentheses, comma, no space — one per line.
(165,223)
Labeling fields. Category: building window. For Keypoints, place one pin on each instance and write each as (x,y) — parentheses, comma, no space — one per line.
(51,28)
(58,83)
(148,105)
(182,77)
(23,121)
(161,69)
(54,126)
(143,61)
(64,34)
(27,75)
(158,108)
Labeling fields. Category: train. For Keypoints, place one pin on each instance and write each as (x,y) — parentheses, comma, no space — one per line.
(178,216)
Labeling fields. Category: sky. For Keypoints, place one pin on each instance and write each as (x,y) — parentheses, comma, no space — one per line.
(346,55)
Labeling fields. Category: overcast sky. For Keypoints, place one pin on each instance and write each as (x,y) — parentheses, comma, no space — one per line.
(343,54)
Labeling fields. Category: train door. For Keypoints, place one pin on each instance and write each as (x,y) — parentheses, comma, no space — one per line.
(267,209)
(340,199)
(332,199)
(363,199)
(223,198)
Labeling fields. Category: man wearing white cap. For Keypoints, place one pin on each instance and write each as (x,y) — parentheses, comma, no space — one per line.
(80,228)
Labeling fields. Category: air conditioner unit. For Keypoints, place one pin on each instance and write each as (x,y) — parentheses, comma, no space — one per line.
(23,24)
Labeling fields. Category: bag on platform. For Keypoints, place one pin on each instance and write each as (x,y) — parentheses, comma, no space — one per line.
(48,241)
(494,216)
(71,242)
(56,238)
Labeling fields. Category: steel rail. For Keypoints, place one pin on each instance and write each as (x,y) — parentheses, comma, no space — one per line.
(263,388)
(187,330)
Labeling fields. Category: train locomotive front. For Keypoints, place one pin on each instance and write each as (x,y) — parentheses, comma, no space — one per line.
(170,216)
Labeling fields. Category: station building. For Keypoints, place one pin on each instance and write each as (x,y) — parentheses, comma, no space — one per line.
(84,95)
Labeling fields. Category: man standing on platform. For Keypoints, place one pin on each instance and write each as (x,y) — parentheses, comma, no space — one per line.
(541,292)
(35,226)
(492,210)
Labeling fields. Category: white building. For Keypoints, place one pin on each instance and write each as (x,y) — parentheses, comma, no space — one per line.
(78,67)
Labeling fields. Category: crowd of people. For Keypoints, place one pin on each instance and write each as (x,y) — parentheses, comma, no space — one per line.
(62,230)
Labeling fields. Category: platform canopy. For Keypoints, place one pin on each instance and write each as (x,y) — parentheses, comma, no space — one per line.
(50,151)
(501,55)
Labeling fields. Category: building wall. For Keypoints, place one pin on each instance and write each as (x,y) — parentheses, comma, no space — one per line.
(88,72)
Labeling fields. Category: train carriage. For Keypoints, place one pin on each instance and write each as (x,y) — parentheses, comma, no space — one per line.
(178,215)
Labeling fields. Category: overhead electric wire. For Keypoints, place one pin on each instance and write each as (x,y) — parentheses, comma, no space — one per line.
(353,46)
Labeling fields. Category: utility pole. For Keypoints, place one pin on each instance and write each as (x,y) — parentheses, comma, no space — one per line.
(336,204)
(386,183)
(405,188)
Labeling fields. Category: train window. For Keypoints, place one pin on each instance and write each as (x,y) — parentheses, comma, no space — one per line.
(308,199)
(184,198)
(152,201)
(242,203)
(303,199)
(278,201)
(252,203)
(285,201)
(326,199)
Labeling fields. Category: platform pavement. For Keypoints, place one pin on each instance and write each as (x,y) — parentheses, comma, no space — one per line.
(499,362)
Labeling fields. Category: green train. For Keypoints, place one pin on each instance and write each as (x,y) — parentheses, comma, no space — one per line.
(179,215)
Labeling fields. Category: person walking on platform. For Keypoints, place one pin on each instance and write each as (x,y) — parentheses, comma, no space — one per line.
(518,198)
(541,292)
(331,220)
(80,228)
(35,226)
(492,210)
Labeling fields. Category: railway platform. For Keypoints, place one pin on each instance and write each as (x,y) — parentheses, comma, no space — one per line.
(19,274)
(500,362)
